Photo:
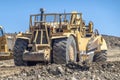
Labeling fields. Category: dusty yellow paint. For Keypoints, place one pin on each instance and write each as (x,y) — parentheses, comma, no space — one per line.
(85,37)
(3,44)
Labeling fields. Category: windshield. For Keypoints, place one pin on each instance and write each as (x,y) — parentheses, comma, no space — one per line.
(1,32)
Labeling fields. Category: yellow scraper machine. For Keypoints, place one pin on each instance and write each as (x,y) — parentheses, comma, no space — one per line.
(59,38)
(6,44)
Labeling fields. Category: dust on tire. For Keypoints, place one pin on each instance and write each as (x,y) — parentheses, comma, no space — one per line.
(61,50)
(19,48)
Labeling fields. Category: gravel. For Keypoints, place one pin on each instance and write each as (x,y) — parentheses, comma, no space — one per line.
(96,71)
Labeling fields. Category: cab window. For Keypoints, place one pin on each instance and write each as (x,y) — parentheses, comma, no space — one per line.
(1,32)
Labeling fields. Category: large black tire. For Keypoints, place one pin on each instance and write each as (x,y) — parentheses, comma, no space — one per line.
(100,57)
(61,50)
(18,50)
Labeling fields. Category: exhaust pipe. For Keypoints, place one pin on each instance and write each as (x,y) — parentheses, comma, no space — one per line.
(42,12)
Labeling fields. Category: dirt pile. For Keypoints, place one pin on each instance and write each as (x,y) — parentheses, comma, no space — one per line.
(112,41)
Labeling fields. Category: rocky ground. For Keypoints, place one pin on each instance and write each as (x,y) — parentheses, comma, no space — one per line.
(112,42)
(109,70)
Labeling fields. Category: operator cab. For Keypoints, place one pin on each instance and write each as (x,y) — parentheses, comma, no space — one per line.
(1,31)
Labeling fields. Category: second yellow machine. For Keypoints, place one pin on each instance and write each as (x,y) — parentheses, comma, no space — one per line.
(6,44)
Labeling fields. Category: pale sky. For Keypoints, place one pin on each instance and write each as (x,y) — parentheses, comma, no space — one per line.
(105,14)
